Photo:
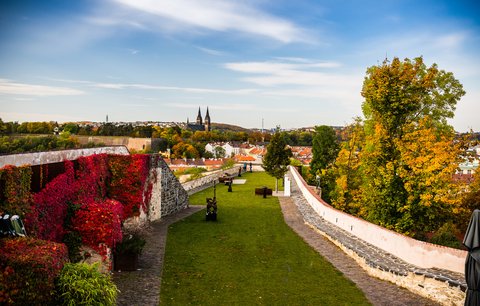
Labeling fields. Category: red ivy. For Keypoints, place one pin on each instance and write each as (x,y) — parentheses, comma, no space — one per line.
(99,224)
(129,174)
(16,190)
(28,268)
(49,209)
(91,178)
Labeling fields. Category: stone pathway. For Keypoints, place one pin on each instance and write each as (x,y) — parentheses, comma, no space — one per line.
(142,287)
(378,292)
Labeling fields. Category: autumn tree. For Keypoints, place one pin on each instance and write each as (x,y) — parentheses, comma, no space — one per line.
(277,158)
(399,95)
(347,193)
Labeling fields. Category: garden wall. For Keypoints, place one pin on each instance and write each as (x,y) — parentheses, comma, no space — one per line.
(204,182)
(419,253)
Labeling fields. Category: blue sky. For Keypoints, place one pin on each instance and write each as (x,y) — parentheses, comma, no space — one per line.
(294,63)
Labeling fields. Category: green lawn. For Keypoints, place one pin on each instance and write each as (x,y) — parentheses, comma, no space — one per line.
(248,257)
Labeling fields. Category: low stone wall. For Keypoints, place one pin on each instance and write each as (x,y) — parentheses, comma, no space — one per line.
(204,182)
(419,253)
(42,158)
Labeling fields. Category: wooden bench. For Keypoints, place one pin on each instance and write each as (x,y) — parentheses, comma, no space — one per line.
(226,179)
(263,191)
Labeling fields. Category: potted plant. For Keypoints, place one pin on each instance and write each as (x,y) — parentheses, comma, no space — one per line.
(127,251)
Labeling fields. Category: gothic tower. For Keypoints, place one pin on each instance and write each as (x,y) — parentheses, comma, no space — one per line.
(199,117)
(207,121)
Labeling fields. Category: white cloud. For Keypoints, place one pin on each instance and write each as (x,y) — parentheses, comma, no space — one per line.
(211,51)
(219,15)
(283,73)
(11,88)
(247,107)
(175,88)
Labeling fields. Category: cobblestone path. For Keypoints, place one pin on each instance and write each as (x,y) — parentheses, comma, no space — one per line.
(142,287)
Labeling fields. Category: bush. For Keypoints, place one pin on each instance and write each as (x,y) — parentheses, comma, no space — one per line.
(446,236)
(132,243)
(28,268)
(228,164)
(84,284)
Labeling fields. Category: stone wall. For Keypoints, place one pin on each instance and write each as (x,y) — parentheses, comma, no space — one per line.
(204,182)
(42,158)
(173,197)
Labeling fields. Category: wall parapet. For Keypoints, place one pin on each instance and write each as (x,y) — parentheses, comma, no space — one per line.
(206,181)
(419,253)
(50,157)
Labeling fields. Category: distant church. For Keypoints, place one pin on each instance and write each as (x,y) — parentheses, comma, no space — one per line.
(200,124)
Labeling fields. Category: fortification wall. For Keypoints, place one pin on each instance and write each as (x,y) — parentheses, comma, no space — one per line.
(419,253)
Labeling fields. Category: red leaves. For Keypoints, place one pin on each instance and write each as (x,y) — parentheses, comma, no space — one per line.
(129,174)
(28,268)
(99,224)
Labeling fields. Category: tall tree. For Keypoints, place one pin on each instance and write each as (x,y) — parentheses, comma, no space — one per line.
(277,158)
(398,95)
(324,148)
(347,194)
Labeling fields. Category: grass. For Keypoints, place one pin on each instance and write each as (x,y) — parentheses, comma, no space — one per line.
(248,257)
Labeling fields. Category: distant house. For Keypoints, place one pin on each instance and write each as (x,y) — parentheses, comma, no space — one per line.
(231,148)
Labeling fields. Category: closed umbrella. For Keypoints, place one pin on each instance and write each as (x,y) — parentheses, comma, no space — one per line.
(472,264)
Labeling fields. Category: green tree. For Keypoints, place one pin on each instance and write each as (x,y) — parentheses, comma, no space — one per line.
(398,95)
(324,149)
(277,158)
(219,152)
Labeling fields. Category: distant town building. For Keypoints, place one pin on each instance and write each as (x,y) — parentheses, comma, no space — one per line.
(200,124)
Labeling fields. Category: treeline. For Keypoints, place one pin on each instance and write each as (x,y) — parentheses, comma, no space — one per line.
(181,142)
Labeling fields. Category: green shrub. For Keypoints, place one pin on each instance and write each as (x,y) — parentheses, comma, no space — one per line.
(132,243)
(228,163)
(28,268)
(446,236)
(84,284)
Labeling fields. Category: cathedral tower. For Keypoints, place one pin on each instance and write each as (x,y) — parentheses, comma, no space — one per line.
(199,117)
(207,121)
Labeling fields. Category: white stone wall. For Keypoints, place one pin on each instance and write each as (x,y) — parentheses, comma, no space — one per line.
(419,253)
(42,158)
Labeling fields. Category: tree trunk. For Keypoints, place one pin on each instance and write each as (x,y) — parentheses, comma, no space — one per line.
(276,184)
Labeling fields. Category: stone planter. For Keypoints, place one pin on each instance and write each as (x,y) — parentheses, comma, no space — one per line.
(125,262)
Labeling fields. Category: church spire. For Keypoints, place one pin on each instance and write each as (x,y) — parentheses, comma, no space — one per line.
(199,117)
(207,121)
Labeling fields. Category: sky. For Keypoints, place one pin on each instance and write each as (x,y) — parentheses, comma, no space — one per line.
(289,63)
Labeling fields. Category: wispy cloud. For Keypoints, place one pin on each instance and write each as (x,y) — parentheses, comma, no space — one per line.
(211,51)
(120,86)
(12,88)
(283,73)
(236,107)
(220,15)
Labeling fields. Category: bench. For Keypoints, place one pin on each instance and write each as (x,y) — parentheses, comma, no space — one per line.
(263,191)
(226,179)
